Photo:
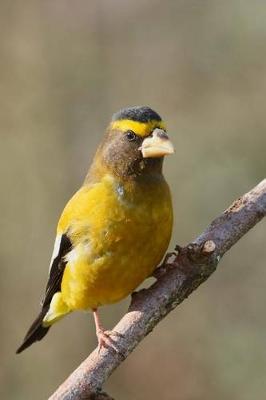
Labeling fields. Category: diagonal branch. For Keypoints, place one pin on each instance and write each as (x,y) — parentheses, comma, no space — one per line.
(179,275)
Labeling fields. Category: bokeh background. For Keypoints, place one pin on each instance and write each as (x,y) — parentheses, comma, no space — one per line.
(65,67)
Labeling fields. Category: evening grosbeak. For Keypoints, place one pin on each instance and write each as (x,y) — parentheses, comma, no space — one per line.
(116,228)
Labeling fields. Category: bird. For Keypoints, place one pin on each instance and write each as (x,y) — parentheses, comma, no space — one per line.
(116,228)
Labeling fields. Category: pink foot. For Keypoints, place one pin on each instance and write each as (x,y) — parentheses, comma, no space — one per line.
(104,337)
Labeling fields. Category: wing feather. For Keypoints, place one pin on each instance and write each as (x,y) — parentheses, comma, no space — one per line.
(37,331)
(57,269)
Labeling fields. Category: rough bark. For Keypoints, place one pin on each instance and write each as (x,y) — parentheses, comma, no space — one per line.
(179,275)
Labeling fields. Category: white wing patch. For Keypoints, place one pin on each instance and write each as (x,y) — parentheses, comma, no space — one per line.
(56,250)
(73,255)
(79,253)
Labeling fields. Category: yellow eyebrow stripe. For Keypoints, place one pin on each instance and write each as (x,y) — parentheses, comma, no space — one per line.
(140,128)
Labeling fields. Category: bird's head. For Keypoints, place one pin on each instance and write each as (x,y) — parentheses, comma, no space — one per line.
(135,143)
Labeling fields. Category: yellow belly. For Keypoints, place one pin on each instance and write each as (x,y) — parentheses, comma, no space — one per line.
(119,236)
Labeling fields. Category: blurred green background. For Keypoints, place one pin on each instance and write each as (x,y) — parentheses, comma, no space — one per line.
(65,67)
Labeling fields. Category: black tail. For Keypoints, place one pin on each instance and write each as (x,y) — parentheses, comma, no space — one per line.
(36,331)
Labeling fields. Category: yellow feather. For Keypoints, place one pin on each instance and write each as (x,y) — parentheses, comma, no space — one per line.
(140,128)
(57,310)
(116,240)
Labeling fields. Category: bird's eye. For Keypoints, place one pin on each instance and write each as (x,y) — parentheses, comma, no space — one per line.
(131,136)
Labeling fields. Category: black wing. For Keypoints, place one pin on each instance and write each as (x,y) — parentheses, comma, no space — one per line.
(57,270)
(37,331)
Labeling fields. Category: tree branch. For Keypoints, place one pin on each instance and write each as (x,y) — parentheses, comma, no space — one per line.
(178,276)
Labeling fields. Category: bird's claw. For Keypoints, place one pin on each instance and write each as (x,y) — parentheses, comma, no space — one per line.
(105,339)
(114,333)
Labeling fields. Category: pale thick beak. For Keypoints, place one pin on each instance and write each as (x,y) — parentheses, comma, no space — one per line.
(157,145)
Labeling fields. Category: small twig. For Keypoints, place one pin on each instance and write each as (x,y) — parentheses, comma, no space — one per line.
(176,280)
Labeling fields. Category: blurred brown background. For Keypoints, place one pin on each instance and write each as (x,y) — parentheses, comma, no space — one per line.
(65,67)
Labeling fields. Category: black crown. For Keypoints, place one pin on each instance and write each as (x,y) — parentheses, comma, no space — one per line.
(137,113)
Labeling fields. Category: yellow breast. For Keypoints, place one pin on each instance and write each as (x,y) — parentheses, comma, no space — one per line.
(119,234)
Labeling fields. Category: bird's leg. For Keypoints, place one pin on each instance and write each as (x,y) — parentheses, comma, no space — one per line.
(104,337)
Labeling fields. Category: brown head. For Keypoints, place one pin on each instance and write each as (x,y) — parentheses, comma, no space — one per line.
(135,144)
